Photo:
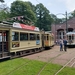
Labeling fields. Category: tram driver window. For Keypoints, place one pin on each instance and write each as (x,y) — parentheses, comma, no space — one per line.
(69,37)
(15,36)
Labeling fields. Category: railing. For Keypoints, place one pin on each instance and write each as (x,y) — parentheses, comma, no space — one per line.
(6,24)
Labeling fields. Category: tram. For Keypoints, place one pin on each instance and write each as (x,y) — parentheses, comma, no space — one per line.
(71,39)
(18,40)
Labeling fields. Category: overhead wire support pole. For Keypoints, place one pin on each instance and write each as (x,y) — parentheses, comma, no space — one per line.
(66,23)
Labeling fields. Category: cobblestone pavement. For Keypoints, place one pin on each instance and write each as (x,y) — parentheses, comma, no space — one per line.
(61,57)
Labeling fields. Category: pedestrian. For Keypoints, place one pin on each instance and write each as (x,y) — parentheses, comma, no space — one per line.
(65,44)
(61,44)
(56,42)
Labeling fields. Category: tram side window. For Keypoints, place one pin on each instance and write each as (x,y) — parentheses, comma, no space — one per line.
(72,37)
(52,38)
(32,36)
(15,36)
(38,37)
(0,37)
(23,36)
(47,37)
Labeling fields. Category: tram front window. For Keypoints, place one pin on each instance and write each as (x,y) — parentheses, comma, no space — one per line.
(69,38)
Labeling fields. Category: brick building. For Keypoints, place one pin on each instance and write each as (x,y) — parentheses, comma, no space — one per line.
(59,30)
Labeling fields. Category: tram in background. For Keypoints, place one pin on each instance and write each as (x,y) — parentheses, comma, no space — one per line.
(71,39)
(18,40)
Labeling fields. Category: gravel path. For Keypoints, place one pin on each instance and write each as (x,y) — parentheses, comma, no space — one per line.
(45,56)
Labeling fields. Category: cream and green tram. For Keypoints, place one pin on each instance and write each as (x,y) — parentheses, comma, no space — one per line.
(16,42)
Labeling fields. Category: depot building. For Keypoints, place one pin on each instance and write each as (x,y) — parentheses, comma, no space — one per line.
(59,30)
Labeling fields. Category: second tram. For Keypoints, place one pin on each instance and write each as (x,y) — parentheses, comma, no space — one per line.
(71,39)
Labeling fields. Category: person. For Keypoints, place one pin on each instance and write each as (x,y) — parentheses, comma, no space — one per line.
(65,44)
(56,42)
(61,44)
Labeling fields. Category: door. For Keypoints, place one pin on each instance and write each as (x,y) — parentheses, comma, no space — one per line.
(3,42)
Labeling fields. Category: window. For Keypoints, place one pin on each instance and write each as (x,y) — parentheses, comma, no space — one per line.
(69,37)
(0,37)
(23,36)
(72,37)
(15,36)
(38,37)
(52,38)
(47,37)
(32,36)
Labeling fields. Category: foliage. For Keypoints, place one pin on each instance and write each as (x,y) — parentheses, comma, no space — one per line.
(57,20)
(72,14)
(20,8)
(3,15)
(31,6)
(4,12)
(44,19)
(2,1)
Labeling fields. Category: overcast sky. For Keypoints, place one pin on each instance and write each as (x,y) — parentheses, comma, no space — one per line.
(54,6)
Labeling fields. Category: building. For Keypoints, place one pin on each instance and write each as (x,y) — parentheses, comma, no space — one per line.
(59,30)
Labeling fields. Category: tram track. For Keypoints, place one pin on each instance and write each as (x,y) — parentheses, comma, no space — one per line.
(26,63)
(50,60)
(71,62)
(16,68)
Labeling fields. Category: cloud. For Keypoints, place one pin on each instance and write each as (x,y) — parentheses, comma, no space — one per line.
(70,4)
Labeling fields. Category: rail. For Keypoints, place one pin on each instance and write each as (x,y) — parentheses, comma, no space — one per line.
(69,62)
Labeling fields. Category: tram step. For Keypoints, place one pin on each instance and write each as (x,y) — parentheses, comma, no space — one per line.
(5,57)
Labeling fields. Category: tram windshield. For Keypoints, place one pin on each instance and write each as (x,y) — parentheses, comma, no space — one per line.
(70,37)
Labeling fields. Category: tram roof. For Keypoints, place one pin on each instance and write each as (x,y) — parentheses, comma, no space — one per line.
(69,33)
(19,26)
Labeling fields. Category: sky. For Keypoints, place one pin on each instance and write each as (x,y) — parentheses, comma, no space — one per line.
(54,6)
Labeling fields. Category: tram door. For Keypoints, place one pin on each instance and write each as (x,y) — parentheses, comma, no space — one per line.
(3,41)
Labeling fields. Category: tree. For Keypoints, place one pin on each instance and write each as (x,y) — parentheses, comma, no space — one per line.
(57,20)
(72,14)
(31,6)
(4,12)
(44,19)
(2,1)
(20,8)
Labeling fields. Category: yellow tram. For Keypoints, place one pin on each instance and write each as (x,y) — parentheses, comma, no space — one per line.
(19,40)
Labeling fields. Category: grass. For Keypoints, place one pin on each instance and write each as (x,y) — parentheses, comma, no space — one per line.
(20,66)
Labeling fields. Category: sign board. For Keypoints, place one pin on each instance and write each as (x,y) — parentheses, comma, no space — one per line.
(23,26)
